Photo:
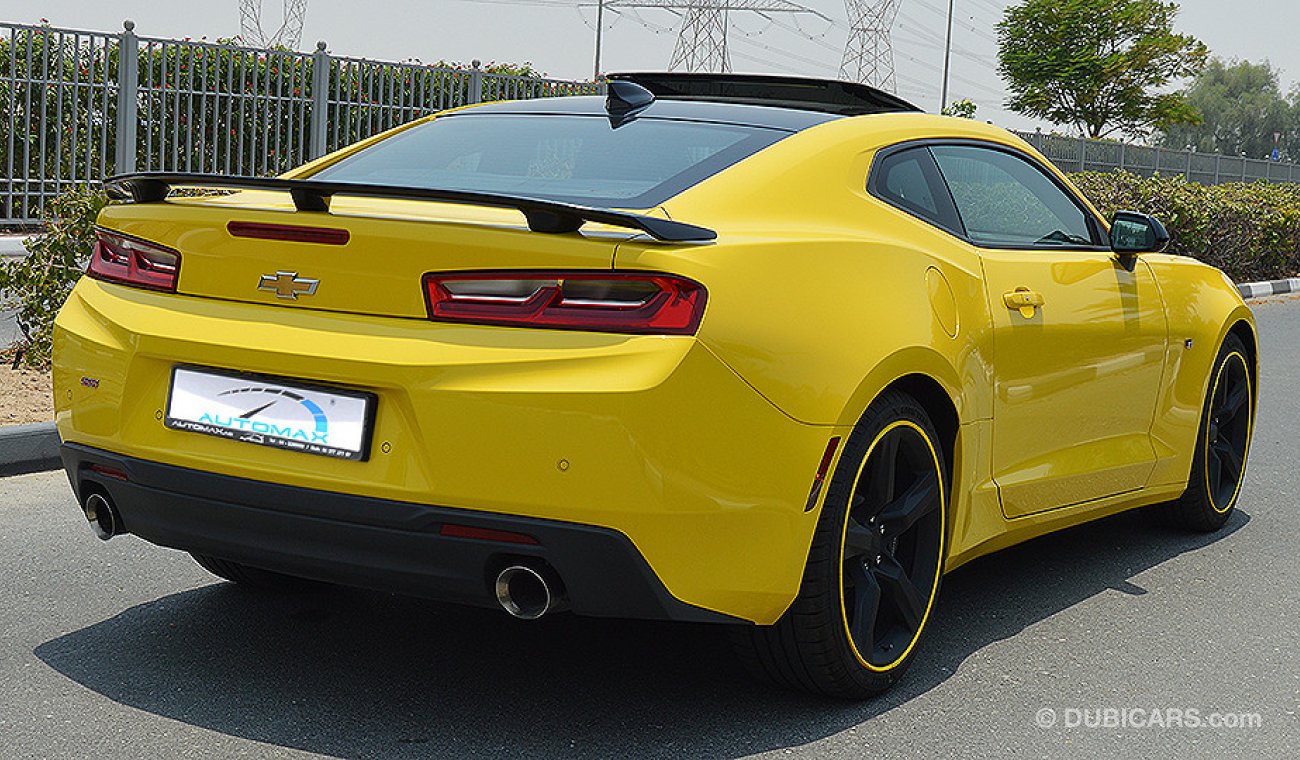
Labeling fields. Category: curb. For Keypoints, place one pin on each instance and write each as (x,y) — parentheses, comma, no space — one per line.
(35,447)
(1270,288)
(12,245)
(29,448)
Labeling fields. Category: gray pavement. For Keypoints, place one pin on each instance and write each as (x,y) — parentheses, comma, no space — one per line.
(123,650)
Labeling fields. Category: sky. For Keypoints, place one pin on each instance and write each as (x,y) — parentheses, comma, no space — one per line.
(557,36)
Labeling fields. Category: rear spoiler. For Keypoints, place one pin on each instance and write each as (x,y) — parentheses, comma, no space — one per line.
(312,195)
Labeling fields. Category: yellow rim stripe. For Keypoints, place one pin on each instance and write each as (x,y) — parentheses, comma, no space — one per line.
(943,522)
(1250,424)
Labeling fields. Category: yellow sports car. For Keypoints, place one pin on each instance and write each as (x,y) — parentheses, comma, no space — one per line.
(759,351)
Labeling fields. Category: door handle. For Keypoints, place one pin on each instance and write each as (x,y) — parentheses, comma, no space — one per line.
(1023,299)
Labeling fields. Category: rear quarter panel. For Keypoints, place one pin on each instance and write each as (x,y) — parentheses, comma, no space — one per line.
(820,294)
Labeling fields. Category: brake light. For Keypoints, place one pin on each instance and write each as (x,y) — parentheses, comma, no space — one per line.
(292,233)
(129,261)
(621,302)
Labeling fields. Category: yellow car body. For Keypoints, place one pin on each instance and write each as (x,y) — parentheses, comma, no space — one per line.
(700,449)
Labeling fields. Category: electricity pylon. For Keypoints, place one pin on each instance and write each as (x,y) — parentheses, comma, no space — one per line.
(869,52)
(288,35)
(702,40)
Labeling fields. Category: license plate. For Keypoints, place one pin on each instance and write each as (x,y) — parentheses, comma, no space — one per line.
(271,412)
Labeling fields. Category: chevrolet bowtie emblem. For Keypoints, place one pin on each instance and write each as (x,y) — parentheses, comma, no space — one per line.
(288,285)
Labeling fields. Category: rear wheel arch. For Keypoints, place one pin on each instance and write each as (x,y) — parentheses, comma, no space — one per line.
(927,378)
(934,398)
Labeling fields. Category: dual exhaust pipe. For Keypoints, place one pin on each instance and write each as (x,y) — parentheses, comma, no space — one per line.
(528,592)
(523,591)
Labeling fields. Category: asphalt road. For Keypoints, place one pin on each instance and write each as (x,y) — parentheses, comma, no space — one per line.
(122,650)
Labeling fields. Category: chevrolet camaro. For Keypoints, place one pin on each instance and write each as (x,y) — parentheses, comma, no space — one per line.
(758,351)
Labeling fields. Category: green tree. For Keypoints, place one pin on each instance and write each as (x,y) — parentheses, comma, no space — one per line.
(963,109)
(1241,106)
(1098,65)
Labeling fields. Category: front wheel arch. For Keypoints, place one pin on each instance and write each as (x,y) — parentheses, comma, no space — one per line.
(1246,334)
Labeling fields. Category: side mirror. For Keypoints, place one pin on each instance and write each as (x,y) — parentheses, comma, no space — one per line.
(1132,233)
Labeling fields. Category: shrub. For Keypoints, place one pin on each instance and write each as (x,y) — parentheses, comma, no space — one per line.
(1249,230)
(37,284)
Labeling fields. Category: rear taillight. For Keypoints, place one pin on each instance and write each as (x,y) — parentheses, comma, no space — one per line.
(622,302)
(129,261)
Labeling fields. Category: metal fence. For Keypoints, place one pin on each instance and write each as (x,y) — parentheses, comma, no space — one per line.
(1077,154)
(78,106)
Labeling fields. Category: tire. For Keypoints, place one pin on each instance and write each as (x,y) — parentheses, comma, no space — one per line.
(253,577)
(833,640)
(1222,444)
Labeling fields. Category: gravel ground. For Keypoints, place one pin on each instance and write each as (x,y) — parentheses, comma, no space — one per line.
(25,396)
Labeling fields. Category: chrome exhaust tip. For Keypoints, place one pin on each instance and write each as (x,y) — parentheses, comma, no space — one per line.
(103,518)
(525,593)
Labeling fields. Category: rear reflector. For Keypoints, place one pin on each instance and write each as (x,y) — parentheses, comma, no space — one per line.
(620,302)
(108,472)
(819,480)
(288,232)
(131,261)
(487,534)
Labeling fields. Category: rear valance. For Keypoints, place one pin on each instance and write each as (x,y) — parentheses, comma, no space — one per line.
(308,195)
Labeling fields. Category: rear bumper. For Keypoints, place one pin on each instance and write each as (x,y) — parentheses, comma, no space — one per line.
(368,542)
(651,437)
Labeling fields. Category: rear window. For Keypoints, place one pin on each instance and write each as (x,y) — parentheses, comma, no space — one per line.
(574,159)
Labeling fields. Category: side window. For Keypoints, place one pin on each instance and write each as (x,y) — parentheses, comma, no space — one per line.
(910,181)
(1005,200)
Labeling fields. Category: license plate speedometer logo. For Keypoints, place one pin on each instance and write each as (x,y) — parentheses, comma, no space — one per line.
(270,413)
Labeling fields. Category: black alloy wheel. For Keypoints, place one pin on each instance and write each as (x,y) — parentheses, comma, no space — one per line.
(875,564)
(893,541)
(1222,443)
(1228,434)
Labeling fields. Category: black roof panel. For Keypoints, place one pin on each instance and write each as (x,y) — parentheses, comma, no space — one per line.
(825,95)
(788,119)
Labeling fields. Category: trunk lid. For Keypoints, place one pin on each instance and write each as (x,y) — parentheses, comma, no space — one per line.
(390,244)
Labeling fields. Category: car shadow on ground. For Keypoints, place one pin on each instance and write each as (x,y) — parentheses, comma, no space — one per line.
(353,673)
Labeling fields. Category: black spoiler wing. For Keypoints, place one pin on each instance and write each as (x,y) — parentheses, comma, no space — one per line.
(309,195)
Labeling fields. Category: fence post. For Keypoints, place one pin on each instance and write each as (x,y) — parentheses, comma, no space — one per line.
(1083,154)
(1123,154)
(475,81)
(320,85)
(128,98)
(1188,173)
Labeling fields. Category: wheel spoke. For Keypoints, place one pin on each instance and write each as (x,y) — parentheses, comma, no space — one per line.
(900,592)
(1229,460)
(858,540)
(1233,402)
(919,500)
(866,603)
(881,471)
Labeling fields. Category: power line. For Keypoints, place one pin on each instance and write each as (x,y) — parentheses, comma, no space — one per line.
(702,41)
(976,30)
